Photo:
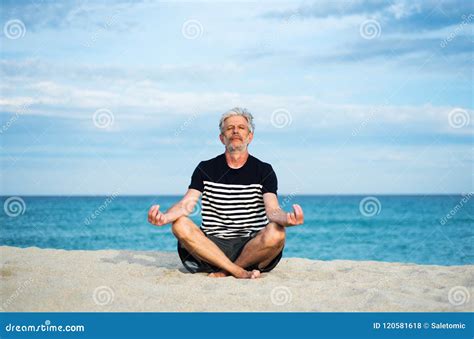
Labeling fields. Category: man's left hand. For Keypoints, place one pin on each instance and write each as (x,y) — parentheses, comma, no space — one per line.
(296,217)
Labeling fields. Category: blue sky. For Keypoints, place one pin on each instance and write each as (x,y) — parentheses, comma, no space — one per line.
(348,97)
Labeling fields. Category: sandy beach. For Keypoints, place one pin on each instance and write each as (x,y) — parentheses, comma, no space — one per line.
(49,280)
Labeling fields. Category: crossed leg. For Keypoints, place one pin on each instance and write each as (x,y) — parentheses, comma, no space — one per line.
(261,250)
(194,240)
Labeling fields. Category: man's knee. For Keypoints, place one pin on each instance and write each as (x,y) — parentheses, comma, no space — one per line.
(182,228)
(274,235)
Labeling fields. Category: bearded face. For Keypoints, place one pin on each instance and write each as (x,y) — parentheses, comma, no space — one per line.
(235,134)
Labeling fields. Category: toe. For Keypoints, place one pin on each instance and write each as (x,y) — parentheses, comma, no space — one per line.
(255,274)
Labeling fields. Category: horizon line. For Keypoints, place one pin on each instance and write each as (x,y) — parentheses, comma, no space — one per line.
(279,194)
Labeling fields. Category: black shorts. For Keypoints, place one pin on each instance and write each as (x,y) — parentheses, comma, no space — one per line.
(232,249)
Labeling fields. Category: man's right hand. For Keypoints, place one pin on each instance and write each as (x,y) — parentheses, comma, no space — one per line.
(156,217)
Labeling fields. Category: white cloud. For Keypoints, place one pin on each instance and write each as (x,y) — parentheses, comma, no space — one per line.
(137,102)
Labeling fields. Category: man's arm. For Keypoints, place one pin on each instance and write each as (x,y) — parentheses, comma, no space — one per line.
(277,215)
(183,208)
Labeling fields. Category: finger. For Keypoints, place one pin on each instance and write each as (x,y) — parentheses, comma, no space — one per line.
(298,213)
(151,212)
(161,219)
(296,209)
(291,218)
(156,216)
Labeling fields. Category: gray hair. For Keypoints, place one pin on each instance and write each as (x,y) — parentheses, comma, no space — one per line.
(238,111)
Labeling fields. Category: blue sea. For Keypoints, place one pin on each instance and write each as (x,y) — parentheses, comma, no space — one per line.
(432,229)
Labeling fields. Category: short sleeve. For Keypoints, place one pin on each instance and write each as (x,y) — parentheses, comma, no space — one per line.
(197,181)
(269,181)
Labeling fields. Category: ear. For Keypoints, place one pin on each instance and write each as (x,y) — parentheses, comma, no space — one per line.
(250,137)
(222,138)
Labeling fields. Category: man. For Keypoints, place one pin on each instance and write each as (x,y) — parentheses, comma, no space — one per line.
(243,227)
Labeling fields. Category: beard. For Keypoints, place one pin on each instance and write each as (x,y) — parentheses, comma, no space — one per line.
(232,148)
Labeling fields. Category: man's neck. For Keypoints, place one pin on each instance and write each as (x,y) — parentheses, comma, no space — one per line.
(236,159)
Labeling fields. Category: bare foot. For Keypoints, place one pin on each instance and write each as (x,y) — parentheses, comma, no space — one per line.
(255,274)
(248,275)
(220,274)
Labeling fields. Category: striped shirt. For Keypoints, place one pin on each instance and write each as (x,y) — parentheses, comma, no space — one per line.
(232,199)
